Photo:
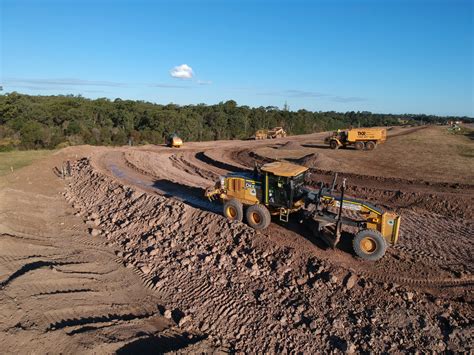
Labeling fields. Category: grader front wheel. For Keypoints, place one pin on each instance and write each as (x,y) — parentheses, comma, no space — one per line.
(369,245)
(234,210)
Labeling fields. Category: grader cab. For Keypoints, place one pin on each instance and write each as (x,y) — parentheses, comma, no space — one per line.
(278,189)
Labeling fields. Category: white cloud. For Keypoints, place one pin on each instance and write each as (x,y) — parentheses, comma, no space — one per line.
(182,71)
(204,82)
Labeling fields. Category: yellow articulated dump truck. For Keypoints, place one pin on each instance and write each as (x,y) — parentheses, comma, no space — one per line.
(360,138)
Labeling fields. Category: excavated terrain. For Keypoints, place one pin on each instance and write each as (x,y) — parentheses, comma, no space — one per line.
(222,286)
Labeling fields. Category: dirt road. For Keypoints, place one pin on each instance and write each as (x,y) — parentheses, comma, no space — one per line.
(62,291)
(230,287)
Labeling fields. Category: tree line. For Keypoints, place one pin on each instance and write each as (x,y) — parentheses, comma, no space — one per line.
(38,122)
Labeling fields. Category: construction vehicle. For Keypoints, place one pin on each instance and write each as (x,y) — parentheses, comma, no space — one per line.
(278,189)
(173,141)
(276,132)
(261,134)
(360,138)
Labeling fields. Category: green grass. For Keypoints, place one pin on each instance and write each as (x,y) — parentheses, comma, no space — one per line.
(19,158)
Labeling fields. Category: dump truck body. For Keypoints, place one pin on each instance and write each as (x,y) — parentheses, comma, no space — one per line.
(367,134)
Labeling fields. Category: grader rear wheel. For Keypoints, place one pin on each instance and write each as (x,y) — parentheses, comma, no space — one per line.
(258,217)
(369,244)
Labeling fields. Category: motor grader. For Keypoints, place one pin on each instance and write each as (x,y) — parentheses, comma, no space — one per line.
(278,189)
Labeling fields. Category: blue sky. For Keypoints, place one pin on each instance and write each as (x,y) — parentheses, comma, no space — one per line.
(405,56)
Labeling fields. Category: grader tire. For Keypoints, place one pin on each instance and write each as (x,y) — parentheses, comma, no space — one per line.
(333,144)
(369,245)
(258,217)
(234,210)
(359,145)
(370,145)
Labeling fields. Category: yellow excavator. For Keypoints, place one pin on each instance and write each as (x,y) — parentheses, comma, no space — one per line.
(278,189)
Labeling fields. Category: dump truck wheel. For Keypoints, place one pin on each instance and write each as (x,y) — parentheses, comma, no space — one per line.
(258,217)
(234,210)
(369,245)
(359,145)
(370,145)
(333,144)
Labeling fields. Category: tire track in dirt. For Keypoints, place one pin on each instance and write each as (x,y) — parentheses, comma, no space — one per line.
(238,285)
(406,230)
(62,290)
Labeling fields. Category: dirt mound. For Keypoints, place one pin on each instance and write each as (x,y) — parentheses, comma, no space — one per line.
(236,286)
(320,161)
(290,145)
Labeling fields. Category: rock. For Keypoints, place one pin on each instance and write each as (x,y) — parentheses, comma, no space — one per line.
(145,269)
(184,320)
(154,252)
(351,280)
(296,318)
(95,232)
(167,314)
(302,280)
(409,296)
(351,348)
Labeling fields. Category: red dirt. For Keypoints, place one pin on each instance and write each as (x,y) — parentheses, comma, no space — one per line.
(232,286)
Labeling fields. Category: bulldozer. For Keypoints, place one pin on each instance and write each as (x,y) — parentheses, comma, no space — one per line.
(360,138)
(173,141)
(278,189)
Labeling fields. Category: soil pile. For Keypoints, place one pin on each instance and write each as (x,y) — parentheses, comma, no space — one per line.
(291,145)
(320,161)
(236,287)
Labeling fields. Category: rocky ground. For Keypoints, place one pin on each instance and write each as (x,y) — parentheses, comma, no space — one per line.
(222,286)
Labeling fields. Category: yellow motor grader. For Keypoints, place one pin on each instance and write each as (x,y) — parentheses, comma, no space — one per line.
(278,189)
